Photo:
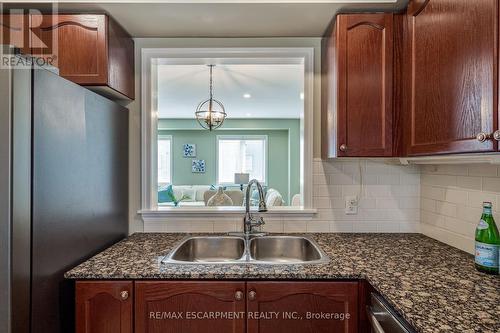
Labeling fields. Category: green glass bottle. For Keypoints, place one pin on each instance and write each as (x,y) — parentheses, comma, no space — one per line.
(487,242)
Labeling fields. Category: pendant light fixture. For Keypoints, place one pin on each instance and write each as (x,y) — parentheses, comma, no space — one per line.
(210,113)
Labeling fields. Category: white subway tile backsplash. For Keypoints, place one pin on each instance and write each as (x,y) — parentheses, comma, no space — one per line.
(431,192)
(378,191)
(483,170)
(320,179)
(451,210)
(321,202)
(469,183)
(428,205)
(202,226)
(318,226)
(369,227)
(348,190)
(344,179)
(387,203)
(273,225)
(388,198)
(409,202)
(477,198)
(388,179)
(341,226)
(224,226)
(295,226)
(446,209)
(491,184)
(367,203)
(456,196)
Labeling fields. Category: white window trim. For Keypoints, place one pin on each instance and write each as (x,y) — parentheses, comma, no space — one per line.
(169,137)
(149,123)
(242,137)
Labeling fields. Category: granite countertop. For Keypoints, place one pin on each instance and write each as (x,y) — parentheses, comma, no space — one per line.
(435,287)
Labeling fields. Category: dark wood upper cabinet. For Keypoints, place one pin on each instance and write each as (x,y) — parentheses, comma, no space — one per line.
(292,300)
(185,298)
(451,76)
(91,50)
(13,31)
(357,106)
(104,307)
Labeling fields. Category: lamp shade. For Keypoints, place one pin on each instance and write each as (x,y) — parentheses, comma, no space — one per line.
(241,178)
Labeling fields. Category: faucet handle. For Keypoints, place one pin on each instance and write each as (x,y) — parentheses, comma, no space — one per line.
(261,221)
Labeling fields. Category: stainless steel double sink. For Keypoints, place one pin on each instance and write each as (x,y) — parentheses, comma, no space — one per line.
(276,250)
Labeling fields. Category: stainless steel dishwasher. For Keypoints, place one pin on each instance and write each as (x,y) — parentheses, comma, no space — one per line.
(383,319)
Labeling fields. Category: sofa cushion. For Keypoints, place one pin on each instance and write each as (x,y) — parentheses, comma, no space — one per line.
(274,198)
(164,194)
(200,191)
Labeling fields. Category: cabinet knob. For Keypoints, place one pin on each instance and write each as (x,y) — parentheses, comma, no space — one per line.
(343,147)
(124,295)
(482,137)
(252,295)
(496,135)
(238,295)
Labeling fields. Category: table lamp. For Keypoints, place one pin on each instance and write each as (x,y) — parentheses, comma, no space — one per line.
(241,178)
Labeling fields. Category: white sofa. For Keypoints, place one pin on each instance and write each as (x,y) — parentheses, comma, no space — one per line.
(195,193)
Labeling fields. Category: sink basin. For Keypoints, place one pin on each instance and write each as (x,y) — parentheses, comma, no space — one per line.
(285,250)
(208,249)
(255,250)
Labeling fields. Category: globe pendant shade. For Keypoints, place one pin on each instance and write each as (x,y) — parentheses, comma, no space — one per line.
(210,114)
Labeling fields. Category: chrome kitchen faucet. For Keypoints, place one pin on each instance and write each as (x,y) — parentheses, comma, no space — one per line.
(249,222)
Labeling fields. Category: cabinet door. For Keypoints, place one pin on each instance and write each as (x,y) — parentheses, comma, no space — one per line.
(104,307)
(287,304)
(78,43)
(365,54)
(172,307)
(452,76)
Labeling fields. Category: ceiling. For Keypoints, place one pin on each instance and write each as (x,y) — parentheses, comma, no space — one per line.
(246,90)
(221,18)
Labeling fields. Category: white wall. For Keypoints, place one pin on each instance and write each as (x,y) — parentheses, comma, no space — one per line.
(452,196)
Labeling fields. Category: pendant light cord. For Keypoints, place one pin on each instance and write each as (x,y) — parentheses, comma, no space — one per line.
(211,81)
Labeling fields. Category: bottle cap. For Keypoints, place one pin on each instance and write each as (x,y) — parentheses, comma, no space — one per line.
(487,204)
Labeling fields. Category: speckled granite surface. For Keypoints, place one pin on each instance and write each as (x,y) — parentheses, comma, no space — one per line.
(435,287)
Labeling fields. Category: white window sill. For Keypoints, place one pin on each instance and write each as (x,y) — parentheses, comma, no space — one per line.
(211,212)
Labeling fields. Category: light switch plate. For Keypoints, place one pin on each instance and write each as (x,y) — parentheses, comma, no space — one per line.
(351,205)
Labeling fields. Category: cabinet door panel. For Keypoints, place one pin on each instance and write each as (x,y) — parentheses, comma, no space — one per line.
(452,80)
(365,53)
(78,43)
(289,298)
(102,308)
(184,301)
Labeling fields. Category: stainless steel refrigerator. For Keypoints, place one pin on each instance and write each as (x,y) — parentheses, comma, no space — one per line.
(63,193)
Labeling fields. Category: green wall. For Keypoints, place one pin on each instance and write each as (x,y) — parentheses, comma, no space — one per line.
(283,150)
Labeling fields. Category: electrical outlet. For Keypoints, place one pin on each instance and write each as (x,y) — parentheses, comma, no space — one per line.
(351,205)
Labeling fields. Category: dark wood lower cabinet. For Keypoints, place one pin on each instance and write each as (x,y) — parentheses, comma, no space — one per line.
(104,307)
(302,307)
(218,306)
(197,307)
